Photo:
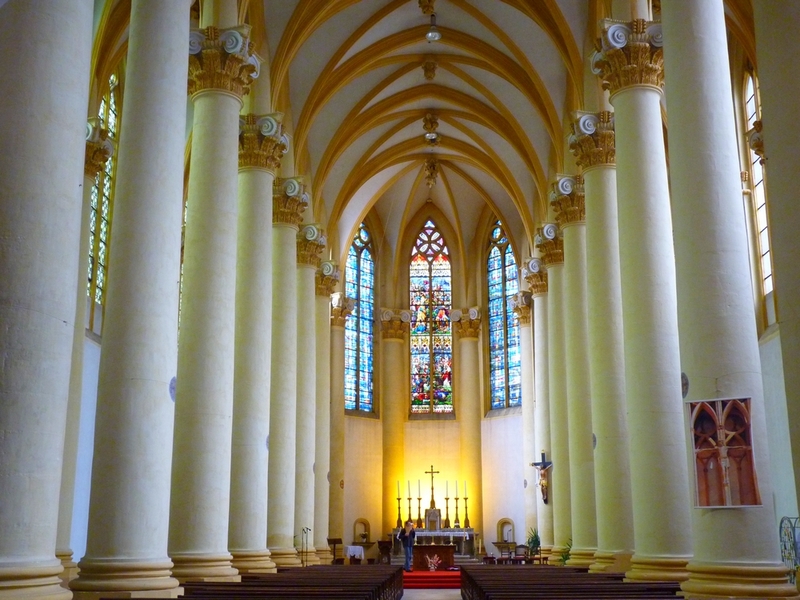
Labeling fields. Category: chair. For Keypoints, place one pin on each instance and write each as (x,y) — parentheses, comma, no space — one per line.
(520,556)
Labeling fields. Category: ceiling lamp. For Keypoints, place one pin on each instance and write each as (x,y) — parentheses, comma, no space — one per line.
(433,34)
(430,123)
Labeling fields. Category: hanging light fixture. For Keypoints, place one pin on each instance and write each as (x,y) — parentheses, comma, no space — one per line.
(433,34)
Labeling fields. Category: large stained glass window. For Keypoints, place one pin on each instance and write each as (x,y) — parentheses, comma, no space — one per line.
(504,358)
(102,202)
(360,285)
(431,333)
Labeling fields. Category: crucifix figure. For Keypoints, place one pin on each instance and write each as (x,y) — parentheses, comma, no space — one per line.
(543,467)
(431,472)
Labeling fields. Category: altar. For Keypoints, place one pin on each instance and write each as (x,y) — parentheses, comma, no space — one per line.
(423,554)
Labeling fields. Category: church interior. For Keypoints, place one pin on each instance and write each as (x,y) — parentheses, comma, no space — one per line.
(278,276)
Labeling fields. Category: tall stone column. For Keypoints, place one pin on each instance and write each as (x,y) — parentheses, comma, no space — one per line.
(327,278)
(310,243)
(592,142)
(394,410)
(467,327)
(220,72)
(260,151)
(719,347)
(536,276)
(341,308)
(570,208)
(775,23)
(40,224)
(289,202)
(522,310)
(551,245)
(126,551)
(98,150)
(631,66)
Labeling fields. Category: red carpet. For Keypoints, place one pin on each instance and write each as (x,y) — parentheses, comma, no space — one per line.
(432,580)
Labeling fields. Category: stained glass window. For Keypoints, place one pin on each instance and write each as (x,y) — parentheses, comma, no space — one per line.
(102,199)
(504,358)
(358,355)
(431,333)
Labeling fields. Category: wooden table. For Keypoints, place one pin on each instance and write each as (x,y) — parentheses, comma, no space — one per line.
(445,552)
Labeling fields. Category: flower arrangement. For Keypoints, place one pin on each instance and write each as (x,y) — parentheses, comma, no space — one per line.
(433,561)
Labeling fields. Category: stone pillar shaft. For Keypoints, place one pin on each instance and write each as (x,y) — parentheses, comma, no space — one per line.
(529,446)
(719,347)
(129,508)
(247,535)
(40,211)
(338,316)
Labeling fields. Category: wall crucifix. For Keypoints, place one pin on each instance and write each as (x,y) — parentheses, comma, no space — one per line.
(543,467)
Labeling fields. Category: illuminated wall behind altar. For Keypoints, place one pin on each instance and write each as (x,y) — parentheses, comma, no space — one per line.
(363,457)
(503,475)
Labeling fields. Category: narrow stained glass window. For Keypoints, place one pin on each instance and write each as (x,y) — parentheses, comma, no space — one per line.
(102,203)
(358,335)
(431,333)
(504,355)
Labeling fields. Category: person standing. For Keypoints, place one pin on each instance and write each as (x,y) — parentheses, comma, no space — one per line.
(406,537)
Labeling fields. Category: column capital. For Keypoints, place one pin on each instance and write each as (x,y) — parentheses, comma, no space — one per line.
(466,322)
(289,200)
(395,323)
(328,277)
(222,59)
(593,140)
(262,142)
(550,243)
(631,54)
(521,305)
(341,308)
(535,274)
(99,148)
(311,241)
(568,200)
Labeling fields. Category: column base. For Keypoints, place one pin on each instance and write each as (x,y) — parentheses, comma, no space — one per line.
(555,555)
(611,562)
(324,555)
(581,557)
(70,571)
(204,567)
(657,568)
(173,593)
(285,557)
(253,561)
(33,580)
(738,580)
(100,577)
(547,552)
(308,557)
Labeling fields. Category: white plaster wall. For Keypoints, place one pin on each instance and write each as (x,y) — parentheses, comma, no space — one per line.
(437,444)
(780,452)
(503,479)
(83,475)
(363,468)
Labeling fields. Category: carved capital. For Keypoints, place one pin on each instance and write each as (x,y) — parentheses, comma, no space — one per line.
(535,274)
(466,322)
(262,143)
(341,308)
(631,54)
(395,324)
(550,243)
(568,200)
(328,277)
(593,139)
(99,148)
(289,201)
(222,59)
(521,305)
(427,6)
(311,242)
(756,140)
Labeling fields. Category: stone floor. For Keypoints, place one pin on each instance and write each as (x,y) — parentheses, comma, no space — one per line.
(431,594)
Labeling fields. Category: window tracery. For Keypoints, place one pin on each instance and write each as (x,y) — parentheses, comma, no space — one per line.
(358,336)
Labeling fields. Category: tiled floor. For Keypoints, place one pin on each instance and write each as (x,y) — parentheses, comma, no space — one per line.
(431,594)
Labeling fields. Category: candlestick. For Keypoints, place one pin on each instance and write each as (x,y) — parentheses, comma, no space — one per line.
(399,516)
(466,513)
(419,511)
(457,525)
(446,512)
